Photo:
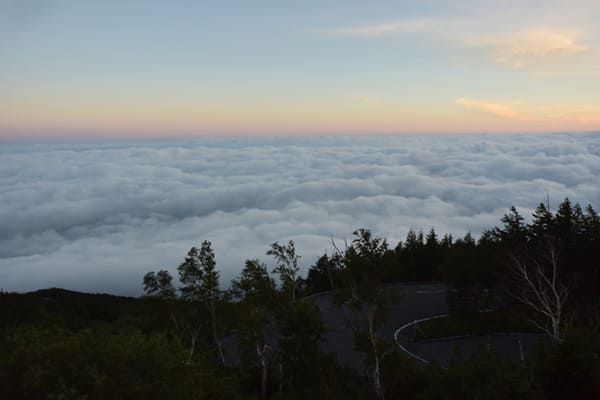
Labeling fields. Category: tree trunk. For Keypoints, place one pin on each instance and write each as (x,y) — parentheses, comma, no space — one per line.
(373,339)
(556,328)
(293,291)
(280,378)
(213,318)
(192,349)
(263,378)
(194,336)
(377,380)
(330,277)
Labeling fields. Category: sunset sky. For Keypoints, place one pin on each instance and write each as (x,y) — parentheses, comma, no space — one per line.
(75,69)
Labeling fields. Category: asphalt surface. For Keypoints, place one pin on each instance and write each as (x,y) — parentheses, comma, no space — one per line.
(415,301)
(418,301)
(520,347)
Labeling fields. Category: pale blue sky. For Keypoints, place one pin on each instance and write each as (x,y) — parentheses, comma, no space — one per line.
(236,67)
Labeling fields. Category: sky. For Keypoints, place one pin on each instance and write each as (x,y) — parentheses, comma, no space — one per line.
(164,69)
(96,216)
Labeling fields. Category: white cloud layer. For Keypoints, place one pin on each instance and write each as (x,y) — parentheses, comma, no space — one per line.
(96,217)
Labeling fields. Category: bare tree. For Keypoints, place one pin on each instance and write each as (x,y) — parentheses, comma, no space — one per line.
(538,282)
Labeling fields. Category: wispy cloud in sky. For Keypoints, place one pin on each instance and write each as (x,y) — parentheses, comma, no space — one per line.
(503,110)
(368,99)
(185,68)
(381,29)
(521,46)
(522,111)
(530,48)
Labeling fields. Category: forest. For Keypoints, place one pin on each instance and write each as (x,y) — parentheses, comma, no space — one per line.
(264,335)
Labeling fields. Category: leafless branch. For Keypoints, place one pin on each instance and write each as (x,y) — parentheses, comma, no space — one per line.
(538,282)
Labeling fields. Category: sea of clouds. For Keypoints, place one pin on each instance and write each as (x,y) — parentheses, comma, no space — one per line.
(97,216)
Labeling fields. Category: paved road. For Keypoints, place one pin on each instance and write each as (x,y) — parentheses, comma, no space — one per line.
(515,347)
(418,301)
(415,301)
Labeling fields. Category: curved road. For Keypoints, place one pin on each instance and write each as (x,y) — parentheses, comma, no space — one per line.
(420,301)
(415,301)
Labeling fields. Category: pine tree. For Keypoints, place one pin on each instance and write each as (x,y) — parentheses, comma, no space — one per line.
(542,225)
(565,222)
(514,232)
(431,241)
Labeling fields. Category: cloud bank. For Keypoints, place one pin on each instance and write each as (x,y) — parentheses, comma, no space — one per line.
(96,217)
(563,40)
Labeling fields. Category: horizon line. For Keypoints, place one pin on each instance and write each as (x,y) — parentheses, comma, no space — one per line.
(200,136)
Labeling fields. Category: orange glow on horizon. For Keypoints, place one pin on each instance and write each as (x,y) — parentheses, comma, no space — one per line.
(348,116)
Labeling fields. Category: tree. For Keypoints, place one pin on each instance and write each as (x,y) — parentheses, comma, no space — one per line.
(300,330)
(412,240)
(190,274)
(488,239)
(431,240)
(159,285)
(321,275)
(201,283)
(514,232)
(447,241)
(538,282)
(570,369)
(287,266)
(362,296)
(257,293)
(254,285)
(590,265)
(591,221)
(566,222)
(469,273)
(542,225)
(467,240)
